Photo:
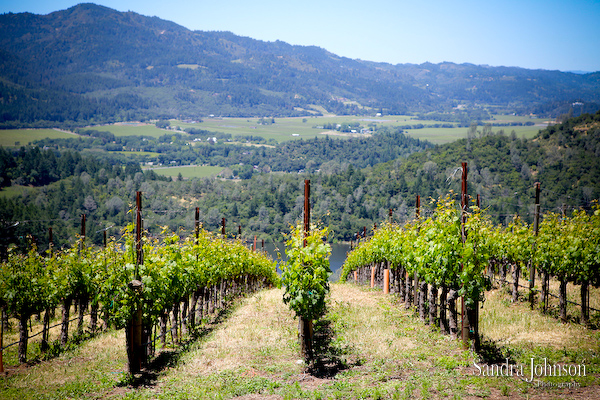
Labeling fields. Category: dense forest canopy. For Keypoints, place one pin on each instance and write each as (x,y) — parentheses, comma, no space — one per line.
(293,156)
(90,64)
(565,158)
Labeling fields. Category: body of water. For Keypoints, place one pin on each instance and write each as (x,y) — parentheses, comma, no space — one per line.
(338,256)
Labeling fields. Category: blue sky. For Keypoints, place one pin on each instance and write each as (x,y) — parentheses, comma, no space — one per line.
(536,34)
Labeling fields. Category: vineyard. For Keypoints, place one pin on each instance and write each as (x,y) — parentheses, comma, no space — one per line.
(444,265)
(461,254)
(134,284)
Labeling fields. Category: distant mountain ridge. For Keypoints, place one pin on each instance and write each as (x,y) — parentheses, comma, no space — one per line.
(92,64)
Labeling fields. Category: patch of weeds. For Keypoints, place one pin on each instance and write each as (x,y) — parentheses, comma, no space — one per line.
(374,393)
(408,391)
(588,380)
(75,388)
(425,389)
(441,388)
(396,393)
(316,395)
(481,391)
(504,390)
(294,392)
(254,385)
(265,352)
(127,380)
(448,362)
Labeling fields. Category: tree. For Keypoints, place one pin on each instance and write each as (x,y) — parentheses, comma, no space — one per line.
(163,124)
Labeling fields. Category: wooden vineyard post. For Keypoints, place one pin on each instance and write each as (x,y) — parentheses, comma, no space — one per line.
(470,315)
(50,240)
(386,281)
(356,276)
(415,296)
(418,207)
(134,328)
(306,208)
(1,338)
(464,325)
(536,229)
(223,228)
(197,224)
(372,275)
(82,231)
(305,326)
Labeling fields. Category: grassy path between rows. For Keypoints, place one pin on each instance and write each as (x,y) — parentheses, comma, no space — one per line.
(370,348)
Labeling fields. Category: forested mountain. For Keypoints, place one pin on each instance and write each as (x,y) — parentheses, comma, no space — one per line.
(565,158)
(91,64)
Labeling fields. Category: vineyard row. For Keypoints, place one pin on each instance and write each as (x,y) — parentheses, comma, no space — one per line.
(457,253)
(181,279)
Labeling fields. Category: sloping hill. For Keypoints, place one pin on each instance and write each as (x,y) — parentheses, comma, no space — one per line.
(502,169)
(93,64)
(564,158)
(369,345)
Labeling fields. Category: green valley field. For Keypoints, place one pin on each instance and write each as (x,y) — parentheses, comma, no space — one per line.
(188,171)
(285,129)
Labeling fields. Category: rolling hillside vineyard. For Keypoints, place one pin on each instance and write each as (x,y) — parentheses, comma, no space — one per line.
(426,255)
(182,277)
(100,109)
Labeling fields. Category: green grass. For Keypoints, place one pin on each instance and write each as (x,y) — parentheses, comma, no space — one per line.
(281,131)
(446,135)
(284,129)
(191,171)
(137,153)
(23,137)
(132,130)
(15,190)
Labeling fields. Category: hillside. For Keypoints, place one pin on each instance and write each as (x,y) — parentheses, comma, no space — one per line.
(91,64)
(502,169)
(369,347)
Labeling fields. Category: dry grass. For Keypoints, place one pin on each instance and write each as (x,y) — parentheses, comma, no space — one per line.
(260,331)
(508,324)
(96,366)
(573,295)
(35,327)
(367,328)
